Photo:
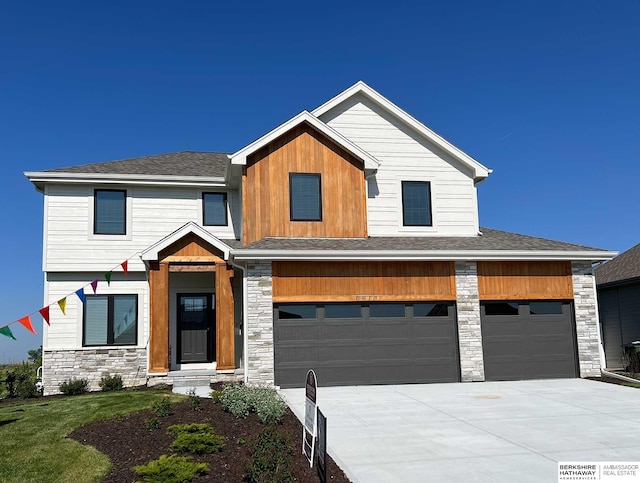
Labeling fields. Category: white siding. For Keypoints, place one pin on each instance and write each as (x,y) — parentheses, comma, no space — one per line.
(404,155)
(65,331)
(152,214)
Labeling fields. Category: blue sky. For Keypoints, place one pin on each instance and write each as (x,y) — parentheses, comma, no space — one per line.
(545,93)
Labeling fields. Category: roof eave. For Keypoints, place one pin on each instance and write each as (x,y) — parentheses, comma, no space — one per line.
(80,178)
(368,255)
(240,157)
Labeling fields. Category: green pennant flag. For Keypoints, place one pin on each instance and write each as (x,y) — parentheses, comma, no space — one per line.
(107,277)
(7,331)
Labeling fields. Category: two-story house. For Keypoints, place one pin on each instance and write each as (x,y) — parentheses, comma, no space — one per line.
(346,240)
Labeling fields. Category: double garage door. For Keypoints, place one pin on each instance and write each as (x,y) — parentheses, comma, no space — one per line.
(417,342)
(366,343)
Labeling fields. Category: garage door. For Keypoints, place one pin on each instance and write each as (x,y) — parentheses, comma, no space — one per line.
(369,343)
(528,340)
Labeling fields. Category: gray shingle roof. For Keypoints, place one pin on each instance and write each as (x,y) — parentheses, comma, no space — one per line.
(182,163)
(625,266)
(490,240)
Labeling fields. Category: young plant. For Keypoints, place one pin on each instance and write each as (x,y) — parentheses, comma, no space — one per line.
(73,387)
(153,424)
(162,407)
(271,458)
(196,438)
(171,469)
(111,383)
(194,400)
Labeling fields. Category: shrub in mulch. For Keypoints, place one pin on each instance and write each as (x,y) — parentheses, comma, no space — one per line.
(127,441)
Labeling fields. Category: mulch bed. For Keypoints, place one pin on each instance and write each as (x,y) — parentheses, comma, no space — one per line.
(127,442)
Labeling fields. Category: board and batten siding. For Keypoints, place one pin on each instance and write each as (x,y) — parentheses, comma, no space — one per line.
(65,331)
(266,188)
(404,155)
(152,214)
(363,281)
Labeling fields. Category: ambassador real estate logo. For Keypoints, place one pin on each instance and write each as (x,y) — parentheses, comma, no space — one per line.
(613,472)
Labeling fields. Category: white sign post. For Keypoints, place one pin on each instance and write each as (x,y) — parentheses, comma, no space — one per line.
(310,424)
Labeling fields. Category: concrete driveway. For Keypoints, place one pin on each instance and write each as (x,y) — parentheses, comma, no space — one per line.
(485,431)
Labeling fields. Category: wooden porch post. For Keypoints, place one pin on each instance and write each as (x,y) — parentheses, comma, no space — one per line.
(159,319)
(225,340)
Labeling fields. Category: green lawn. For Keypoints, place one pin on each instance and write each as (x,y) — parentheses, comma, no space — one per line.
(33,444)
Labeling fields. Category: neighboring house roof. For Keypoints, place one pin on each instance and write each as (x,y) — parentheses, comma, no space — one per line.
(480,171)
(492,244)
(182,165)
(624,267)
(240,157)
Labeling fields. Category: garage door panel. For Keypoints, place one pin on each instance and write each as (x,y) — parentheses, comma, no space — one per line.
(529,344)
(368,350)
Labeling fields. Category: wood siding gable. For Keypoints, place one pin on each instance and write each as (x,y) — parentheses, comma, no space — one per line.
(265,188)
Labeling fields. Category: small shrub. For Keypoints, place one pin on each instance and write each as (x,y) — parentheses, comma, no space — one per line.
(162,387)
(241,442)
(196,438)
(271,458)
(73,387)
(171,469)
(240,400)
(19,381)
(153,424)
(215,396)
(194,400)
(111,383)
(162,407)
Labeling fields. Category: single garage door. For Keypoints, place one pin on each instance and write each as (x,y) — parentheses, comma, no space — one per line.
(365,343)
(528,340)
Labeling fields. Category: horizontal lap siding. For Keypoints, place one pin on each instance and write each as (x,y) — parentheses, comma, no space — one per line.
(525,280)
(155,212)
(358,281)
(405,155)
(266,189)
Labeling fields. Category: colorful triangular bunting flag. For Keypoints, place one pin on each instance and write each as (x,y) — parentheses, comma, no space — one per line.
(44,311)
(80,294)
(125,267)
(62,303)
(7,331)
(26,321)
(94,286)
(107,277)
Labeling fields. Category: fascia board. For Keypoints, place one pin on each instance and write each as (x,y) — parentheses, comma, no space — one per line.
(80,178)
(151,253)
(369,255)
(480,171)
(240,157)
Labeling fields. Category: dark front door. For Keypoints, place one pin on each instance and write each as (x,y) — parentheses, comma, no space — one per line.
(196,328)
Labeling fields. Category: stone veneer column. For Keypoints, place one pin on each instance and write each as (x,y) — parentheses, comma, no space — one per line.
(584,297)
(259,323)
(469,329)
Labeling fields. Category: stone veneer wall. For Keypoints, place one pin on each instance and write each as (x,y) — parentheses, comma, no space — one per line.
(469,328)
(92,364)
(587,330)
(260,368)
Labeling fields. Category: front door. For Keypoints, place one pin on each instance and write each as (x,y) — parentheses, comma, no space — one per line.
(196,327)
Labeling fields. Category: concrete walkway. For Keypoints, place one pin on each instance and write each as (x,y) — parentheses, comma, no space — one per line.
(482,432)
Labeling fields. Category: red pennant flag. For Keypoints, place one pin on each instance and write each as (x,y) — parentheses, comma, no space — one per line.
(94,286)
(26,321)
(125,266)
(44,311)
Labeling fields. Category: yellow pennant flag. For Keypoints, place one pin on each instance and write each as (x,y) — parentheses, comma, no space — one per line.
(62,303)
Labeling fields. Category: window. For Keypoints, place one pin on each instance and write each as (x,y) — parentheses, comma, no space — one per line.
(109,212)
(430,310)
(545,308)
(416,203)
(214,209)
(305,197)
(110,320)
(297,311)
(386,310)
(342,311)
(501,308)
